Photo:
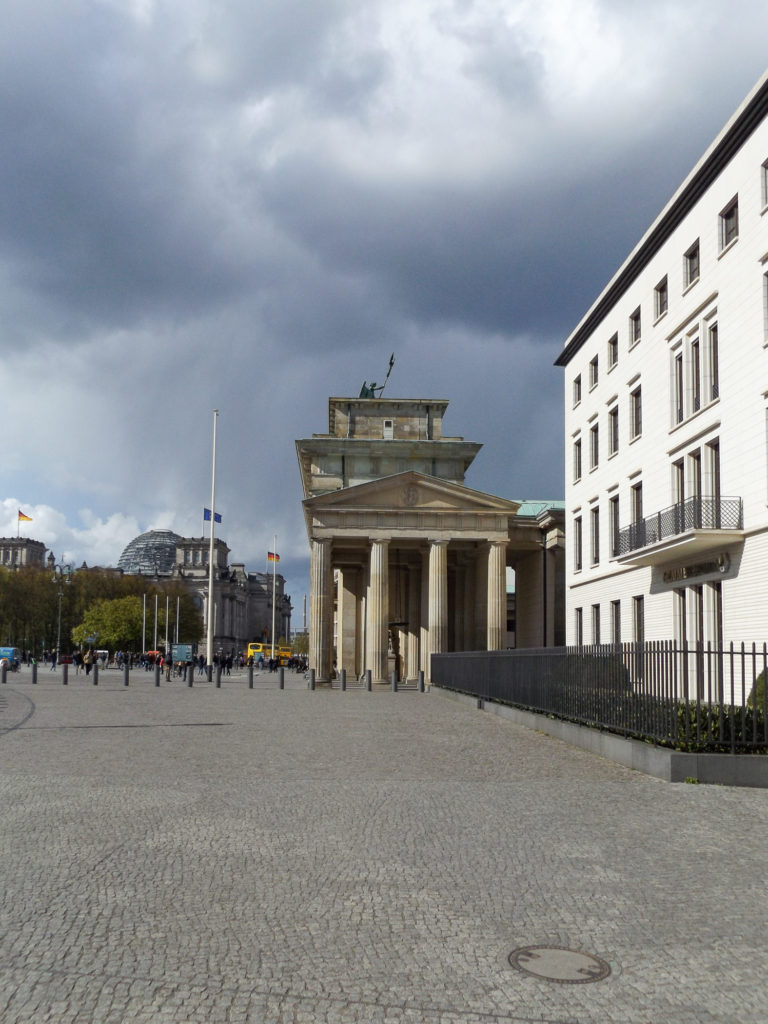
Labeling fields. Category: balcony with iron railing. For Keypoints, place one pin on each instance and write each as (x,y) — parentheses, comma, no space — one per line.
(691,527)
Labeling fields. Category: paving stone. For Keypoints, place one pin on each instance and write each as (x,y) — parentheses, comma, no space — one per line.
(175,855)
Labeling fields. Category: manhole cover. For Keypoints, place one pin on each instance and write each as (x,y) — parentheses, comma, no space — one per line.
(555,963)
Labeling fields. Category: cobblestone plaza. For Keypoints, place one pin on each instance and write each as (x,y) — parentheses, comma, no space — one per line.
(174,855)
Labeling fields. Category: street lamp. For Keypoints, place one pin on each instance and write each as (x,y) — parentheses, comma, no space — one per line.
(62,571)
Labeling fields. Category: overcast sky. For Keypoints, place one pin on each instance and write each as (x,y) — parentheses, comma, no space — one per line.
(249,204)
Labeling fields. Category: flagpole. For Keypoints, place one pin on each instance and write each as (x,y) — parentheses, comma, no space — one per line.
(211,605)
(274,577)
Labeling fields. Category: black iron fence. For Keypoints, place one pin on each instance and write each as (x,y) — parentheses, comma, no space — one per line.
(696,697)
(692,514)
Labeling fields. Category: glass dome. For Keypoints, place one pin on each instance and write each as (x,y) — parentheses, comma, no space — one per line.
(153,552)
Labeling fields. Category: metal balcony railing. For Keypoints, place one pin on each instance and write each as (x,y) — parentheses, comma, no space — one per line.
(692,514)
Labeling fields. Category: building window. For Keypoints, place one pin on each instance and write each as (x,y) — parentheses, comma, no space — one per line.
(636,494)
(593,372)
(661,297)
(613,507)
(765,309)
(635,413)
(678,388)
(613,351)
(695,375)
(388,432)
(594,516)
(578,627)
(594,447)
(577,543)
(729,224)
(613,430)
(764,184)
(577,460)
(713,363)
(616,621)
(595,623)
(638,617)
(634,328)
(691,268)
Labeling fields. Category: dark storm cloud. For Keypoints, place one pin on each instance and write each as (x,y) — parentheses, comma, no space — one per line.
(249,205)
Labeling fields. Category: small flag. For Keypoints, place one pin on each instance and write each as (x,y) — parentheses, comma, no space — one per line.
(272,557)
(23,518)
(207,516)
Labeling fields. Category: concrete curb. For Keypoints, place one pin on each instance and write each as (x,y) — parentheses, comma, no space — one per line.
(669,765)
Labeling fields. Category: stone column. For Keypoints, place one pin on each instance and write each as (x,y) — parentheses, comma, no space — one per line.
(347,620)
(414,622)
(320,610)
(481,599)
(438,598)
(378,611)
(497,596)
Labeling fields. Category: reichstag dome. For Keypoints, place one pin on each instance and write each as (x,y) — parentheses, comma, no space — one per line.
(153,552)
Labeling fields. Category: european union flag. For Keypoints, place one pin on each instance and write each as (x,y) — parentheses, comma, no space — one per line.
(207,516)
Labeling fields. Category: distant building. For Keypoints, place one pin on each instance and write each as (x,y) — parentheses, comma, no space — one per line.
(406,560)
(243,600)
(666,415)
(21,552)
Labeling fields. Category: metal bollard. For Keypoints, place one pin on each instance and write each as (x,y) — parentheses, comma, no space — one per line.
(421,682)
(157,673)
(3,673)
(34,673)
(343,678)
(95,674)
(250,677)
(394,680)
(65,674)
(209,672)
(126,670)
(190,674)
(311,679)
(367,679)
(281,678)
(218,677)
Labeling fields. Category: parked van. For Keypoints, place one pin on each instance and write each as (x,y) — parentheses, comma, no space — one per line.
(11,657)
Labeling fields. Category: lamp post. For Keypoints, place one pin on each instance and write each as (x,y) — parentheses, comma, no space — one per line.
(62,571)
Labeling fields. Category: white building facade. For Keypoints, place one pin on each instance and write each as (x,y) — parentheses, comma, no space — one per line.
(666,416)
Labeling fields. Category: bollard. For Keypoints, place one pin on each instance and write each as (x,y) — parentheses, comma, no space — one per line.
(3,672)
(65,674)
(250,677)
(394,680)
(218,677)
(190,674)
(281,678)
(209,672)
(343,677)
(157,673)
(34,672)
(95,674)
(421,682)
(126,670)
(311,679)
(367,679)
(479,703)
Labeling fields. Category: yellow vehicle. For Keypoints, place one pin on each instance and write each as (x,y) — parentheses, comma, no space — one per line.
(257,651)
(283,652)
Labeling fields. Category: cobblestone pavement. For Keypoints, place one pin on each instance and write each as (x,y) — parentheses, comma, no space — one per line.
(176,855)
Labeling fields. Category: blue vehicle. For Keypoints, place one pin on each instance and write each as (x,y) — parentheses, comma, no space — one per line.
(10,657)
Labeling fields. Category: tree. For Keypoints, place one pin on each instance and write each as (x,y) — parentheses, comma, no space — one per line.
(117,622)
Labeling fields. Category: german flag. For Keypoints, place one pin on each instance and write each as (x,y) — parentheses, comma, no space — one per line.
(23,518)
(272,557)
